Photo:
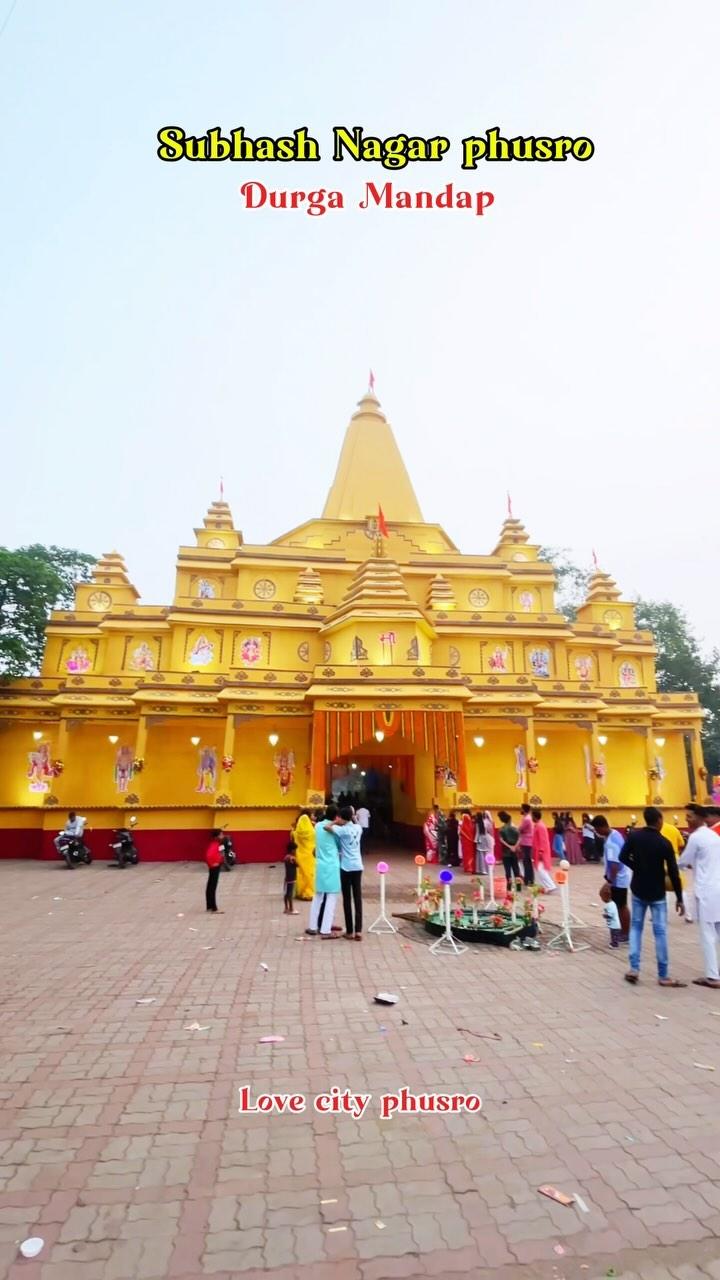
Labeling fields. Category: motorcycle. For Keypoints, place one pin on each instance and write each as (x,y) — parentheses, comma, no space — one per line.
(228,852)
(124,846)
(74,850)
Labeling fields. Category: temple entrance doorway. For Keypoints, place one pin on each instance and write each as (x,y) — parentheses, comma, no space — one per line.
(383,784)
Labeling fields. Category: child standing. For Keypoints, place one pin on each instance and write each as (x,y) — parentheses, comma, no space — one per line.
(214,859)
(290,878)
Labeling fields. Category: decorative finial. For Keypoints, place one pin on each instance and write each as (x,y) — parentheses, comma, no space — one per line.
(509,507)
(371,383)
(222,490)
(595,559)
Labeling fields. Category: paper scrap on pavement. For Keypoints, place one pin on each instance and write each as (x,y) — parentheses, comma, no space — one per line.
(192,929)
(181,915)
(703,1066)
(380,1226)
(557,1248)
(265,967)
(147,1000)
(661,1017)
(328,1201)
(271,1040)
(331,1229)
(195,1026)
(581,1203)
(31,1247)
(470,1057)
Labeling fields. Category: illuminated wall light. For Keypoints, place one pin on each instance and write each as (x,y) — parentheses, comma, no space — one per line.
(479,742)
(353,765)
(273,739)
(542,742)
(362,773)
(659,742)
(379,735)
(37,735)
(602,739)
(113,738)
(195,742)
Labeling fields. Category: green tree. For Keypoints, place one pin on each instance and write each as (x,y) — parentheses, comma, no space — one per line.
(33,581)
(680,663)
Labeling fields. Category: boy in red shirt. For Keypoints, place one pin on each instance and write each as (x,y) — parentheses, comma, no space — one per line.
(214,859)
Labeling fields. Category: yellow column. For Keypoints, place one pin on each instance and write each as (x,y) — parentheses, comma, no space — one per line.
(531,779)
(60,752)
(597,785)
(703,785)
(140,750)
(652,785)
(229,750)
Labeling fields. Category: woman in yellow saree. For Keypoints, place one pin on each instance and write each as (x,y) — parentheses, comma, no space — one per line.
(304,837)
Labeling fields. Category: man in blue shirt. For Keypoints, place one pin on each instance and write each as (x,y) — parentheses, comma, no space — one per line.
(617,874)
(349,835)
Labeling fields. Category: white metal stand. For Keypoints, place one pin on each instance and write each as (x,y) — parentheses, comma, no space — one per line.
(382,924)
(446,942)
(569,922)
(491,904)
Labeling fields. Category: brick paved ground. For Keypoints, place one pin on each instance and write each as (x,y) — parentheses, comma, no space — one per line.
(120,1142)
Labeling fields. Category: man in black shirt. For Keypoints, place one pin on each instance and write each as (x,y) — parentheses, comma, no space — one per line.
(650,856)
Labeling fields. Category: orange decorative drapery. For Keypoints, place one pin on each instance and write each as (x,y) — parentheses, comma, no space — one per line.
(340,733)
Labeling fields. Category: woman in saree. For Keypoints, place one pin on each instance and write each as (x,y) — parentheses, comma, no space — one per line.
(304,837)
(467,842)
(484,840)
(430,834)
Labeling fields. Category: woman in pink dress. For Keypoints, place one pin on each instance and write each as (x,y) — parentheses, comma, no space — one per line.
(467,842)
(542,853)
(430,832)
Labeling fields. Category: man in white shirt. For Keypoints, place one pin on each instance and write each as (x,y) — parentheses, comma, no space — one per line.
(702,854)
(363,817)
(74,827)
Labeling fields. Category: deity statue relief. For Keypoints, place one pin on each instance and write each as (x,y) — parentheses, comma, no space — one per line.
(358,652)
(527,600)
(202,652)
(584,668)
(207,771)
(251,651)
(413,653)
(520,768)
(498,660)
(628,675)
(284,764)
(205,589)
(142,658)
(540,663)
(79,661)
(39,768)
(123,768)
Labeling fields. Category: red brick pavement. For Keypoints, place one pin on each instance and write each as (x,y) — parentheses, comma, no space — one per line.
(121,1144)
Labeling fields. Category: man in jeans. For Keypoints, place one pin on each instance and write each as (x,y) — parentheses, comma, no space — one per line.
(349,833)
(650,856)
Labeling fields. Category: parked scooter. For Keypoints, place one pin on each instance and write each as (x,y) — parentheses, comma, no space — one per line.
(228,852)
(74,850)
(124,845)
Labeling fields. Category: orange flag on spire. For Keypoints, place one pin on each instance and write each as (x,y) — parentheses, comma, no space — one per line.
(382,524)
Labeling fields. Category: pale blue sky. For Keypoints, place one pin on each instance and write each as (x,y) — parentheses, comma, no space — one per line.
(155,334)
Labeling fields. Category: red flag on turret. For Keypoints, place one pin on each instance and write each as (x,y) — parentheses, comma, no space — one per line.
(595,559)
(371,382)
(382,524)
(509,507)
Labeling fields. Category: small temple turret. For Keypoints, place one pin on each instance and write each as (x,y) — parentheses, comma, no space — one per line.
(109,585)
(514,541)
(218,531)
(604,605)
(309,589)
(440,594)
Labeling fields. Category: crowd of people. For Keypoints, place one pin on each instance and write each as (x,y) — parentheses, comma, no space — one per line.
(526,848)
(644,865)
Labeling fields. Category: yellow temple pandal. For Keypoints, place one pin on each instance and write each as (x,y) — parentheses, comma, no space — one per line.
(334,658)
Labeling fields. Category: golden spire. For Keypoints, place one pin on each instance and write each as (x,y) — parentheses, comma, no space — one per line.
(377,582)
(370,471)
(512,535)
(219,516)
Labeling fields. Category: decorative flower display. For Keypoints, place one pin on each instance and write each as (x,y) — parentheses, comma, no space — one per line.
(703,773)
(227,763)
(138,764)
(533,765)
(56,768)
(599,769)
